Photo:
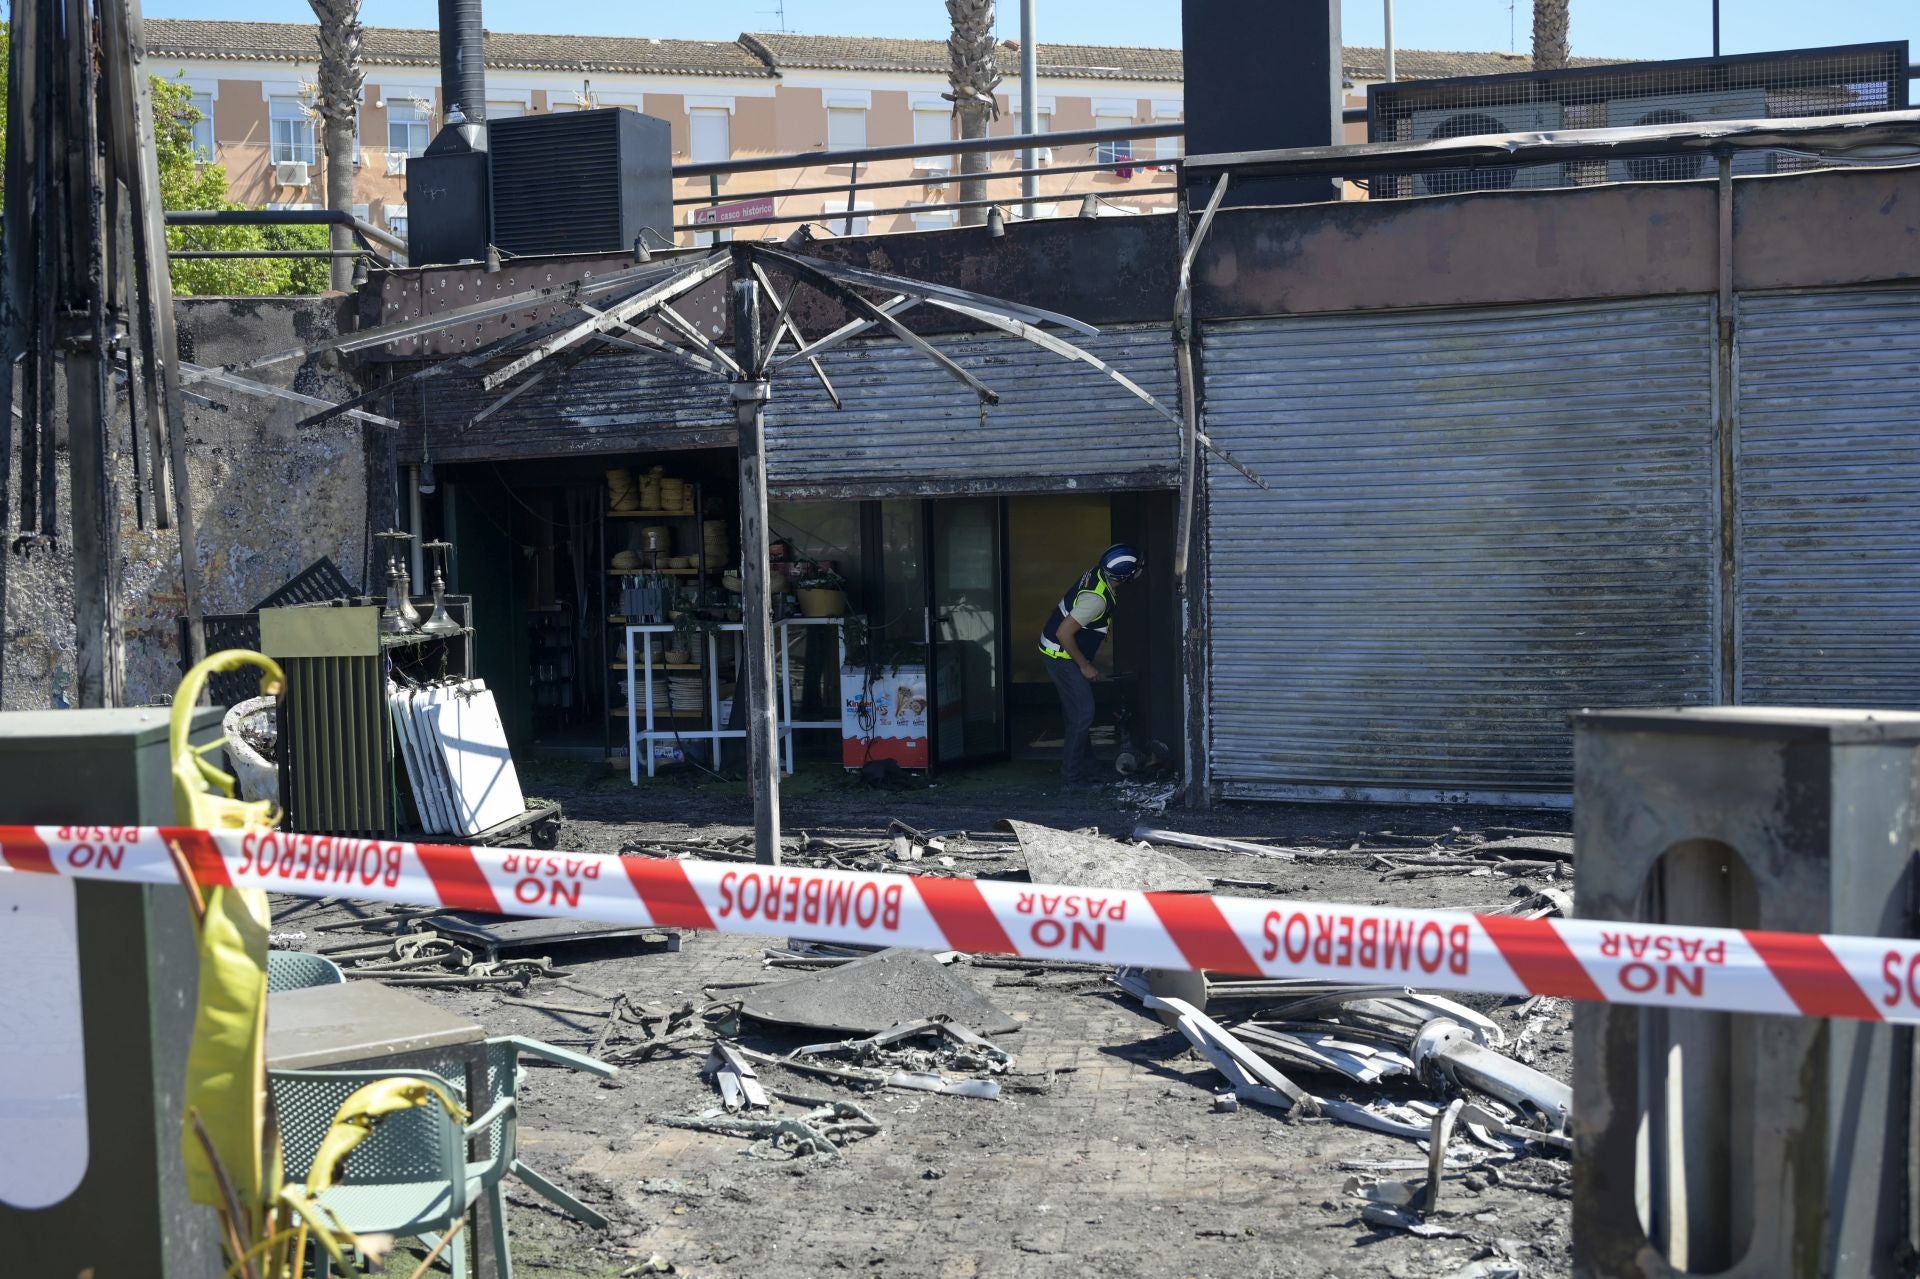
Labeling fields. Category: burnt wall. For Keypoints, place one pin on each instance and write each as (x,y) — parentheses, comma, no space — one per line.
(269,499)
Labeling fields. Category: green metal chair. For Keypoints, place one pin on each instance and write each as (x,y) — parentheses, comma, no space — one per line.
(296,970)
(412,1177)
(504,1077)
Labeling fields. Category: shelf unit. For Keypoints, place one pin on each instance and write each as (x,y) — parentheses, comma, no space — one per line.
(614,538)
(644,717)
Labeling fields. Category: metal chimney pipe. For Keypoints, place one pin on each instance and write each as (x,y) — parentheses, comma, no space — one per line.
(463,60)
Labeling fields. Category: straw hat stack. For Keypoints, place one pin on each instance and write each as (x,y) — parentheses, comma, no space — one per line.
(715,534)
(650,489)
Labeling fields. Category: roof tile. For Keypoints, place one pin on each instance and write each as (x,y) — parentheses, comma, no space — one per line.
(751,54)
(405,46)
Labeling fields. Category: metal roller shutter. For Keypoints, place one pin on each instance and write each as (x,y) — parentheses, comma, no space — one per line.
(1827,472)
(908,422)
(1480,520)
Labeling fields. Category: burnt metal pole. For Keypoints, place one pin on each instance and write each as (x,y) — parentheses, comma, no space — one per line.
(750,412)
(99,661)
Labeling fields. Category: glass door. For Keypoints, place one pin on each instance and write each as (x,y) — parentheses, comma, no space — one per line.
(966,604)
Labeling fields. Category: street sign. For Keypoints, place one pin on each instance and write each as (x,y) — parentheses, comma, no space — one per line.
(761,206)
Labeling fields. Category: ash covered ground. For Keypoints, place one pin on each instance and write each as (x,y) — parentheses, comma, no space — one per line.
(1108,1156)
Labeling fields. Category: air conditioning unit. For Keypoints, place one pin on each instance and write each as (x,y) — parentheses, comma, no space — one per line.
(291,173)
(1042,157)
(940,165)
(1467,122)
(1686,108)
(396,163)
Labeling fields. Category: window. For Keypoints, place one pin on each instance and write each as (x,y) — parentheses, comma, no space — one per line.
(564,104)
(932,219)
(409,129)
(932,125)
(1043,121)
(846,128)
(1168,113)
(719,235)
(1113,152)
(363,212)
(203,128)
(504,110)
(709,131)
(292,130)
(835,214)
(397,219)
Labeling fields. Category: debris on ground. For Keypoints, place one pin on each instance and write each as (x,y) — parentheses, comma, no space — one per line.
(1367,1035)
(876,993)
(1087,859)
(1208,843)
(733,1075)
(821,1131)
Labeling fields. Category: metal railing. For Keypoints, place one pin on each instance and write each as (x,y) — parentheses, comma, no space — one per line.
(365,232)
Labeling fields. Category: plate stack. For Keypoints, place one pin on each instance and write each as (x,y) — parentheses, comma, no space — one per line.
(686,692)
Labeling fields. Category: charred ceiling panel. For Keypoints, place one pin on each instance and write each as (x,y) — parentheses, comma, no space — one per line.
(1480,520)
(909,428)
(621,402)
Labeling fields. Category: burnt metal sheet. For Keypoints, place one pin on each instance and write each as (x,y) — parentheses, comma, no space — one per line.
(906,422)
(1480,521)
(1094,861)
(496,933)
(876,993)
(1827,473)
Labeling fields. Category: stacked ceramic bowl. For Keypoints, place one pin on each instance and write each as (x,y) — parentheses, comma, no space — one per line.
(686,691)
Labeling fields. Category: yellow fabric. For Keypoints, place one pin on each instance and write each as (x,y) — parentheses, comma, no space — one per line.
(226,1065)
(227,1061)
(354,1122)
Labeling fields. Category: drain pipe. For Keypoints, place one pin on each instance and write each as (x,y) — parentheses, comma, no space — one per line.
(1199,782)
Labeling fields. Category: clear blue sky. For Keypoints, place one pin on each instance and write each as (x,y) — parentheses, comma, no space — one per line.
(1620,28)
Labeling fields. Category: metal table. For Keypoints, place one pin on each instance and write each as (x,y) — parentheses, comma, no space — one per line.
(362,1023)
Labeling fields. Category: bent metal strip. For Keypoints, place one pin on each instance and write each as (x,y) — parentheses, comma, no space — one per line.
(1710,969)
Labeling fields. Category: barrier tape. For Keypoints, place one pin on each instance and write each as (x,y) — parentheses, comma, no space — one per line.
(1710,969)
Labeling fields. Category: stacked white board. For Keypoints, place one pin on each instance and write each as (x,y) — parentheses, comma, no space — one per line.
(455,750)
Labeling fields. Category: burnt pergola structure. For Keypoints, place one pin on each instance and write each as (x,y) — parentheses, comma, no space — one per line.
(635,310)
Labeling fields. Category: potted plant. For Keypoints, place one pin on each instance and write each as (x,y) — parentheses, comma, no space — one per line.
(822,592)
(688,633)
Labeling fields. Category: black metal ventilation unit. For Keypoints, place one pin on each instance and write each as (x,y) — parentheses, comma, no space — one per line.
(582,182)
(447,187)
(1792,84)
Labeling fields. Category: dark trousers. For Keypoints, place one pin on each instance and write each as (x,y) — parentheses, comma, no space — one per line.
(1076,708)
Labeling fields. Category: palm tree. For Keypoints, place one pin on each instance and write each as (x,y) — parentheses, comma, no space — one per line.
(338,105)
(1550,20)
(974,76)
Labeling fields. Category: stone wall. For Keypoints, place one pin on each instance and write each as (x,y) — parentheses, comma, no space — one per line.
(269,500)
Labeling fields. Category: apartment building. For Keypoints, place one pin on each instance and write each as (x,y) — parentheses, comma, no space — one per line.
(758,94)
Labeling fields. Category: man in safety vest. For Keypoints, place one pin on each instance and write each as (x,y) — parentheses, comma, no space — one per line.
(1072,636)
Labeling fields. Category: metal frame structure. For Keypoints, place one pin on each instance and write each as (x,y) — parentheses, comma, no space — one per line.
(644,731)
(646,295)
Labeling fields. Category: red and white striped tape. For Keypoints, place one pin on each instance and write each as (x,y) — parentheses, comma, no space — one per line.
(1717,969)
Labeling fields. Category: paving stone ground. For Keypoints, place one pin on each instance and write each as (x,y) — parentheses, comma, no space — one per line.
(1120,1167)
